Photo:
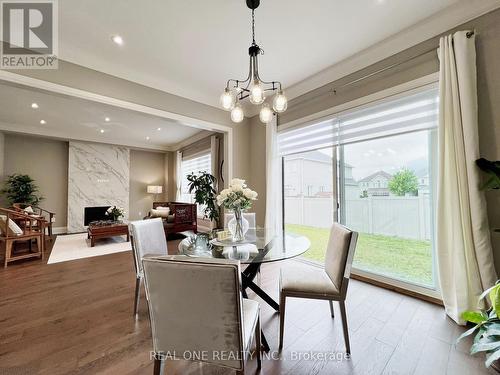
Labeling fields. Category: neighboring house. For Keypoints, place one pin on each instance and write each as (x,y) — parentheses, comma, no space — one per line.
(423,182)
(308,175)
(351,186)
(375,185)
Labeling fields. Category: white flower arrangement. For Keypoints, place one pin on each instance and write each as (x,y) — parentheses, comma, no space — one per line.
(237,196)
(115,212)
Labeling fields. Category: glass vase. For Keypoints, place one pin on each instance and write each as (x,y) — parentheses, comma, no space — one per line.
(238,226)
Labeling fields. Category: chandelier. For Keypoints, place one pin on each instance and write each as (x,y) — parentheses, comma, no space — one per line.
(253,87)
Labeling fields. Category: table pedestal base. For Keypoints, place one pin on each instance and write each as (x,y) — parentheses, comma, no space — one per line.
(247,277)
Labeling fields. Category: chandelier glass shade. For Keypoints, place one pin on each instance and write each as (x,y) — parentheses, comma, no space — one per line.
(237,114)
(253,87)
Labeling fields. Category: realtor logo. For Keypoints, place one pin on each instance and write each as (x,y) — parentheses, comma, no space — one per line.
(28,34)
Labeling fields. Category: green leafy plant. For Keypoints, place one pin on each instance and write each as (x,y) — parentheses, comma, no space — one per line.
(115,213)
(203,186)
(492,169)
(21,188)
(487,326)
(404,181)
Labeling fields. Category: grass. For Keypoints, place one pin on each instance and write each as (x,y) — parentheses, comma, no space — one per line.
(401,258)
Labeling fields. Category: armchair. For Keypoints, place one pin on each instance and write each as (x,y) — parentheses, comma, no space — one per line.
(15,227)
(47,215)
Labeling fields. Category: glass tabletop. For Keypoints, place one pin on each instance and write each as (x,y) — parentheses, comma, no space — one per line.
(260,246)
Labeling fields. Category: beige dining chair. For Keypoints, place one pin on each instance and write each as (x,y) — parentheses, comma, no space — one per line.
(196,307)
(329,283)
(147,237)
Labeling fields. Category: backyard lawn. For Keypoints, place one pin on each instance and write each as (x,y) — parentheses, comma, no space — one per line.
(402,258)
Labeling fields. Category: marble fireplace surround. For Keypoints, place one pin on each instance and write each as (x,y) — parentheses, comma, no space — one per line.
(98,175)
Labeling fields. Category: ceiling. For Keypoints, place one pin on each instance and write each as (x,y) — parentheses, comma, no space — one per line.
(79,119)
(191,47)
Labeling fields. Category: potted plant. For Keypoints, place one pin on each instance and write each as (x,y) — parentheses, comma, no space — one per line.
(487,322)
(203,186)
(492,170)
(21,188)
(114,213)
(237,198)
(486,328)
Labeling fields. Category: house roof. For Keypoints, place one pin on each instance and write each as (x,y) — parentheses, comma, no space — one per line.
(373,175)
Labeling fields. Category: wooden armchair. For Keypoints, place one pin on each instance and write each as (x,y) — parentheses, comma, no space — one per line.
(16,227)
(48,216)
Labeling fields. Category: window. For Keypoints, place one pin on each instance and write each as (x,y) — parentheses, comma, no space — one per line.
(202,162)
(382,157)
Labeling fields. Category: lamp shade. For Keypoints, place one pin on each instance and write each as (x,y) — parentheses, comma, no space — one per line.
(153,189)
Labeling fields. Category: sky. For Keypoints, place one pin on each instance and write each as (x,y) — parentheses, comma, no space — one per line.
(388,154)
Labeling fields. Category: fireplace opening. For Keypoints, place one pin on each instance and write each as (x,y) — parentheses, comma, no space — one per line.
(95,214)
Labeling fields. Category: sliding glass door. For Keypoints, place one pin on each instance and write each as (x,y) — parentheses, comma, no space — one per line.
(372,169)
(386,195)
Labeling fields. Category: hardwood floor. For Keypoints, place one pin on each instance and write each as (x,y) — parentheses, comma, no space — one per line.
(76,318)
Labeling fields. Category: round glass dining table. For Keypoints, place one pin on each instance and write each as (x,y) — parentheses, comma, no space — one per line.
(260,246)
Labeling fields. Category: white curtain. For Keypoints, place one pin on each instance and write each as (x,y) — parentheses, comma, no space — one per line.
(464,253)
(178,175)
(273,180)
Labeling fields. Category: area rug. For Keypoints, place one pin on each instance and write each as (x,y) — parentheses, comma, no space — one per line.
(77,246)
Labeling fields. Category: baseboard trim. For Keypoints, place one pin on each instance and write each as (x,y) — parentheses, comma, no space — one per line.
(397,289)
(60,230)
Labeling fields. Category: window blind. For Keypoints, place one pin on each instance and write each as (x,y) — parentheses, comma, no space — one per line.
(395,115)
(200,163)
(196,149)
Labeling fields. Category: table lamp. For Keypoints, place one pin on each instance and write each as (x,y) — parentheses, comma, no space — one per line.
(154,189)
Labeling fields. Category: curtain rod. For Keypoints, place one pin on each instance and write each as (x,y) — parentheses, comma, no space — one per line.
(469,34)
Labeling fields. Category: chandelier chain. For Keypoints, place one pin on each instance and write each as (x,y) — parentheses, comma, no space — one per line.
(253,26)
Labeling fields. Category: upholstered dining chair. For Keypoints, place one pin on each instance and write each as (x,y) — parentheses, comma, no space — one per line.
(147,237)
(329,283)
(196,307)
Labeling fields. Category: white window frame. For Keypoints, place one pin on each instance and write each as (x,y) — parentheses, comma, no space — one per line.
(197,155)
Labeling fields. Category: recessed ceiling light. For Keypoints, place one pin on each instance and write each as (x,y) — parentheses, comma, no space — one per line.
(34,105)
(147,138)
(107,119)
(43,122)
(102,131)
(117,39)
(158,129)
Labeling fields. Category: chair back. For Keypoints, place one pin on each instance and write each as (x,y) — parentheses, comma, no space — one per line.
(195,307)
(148,237)
(339,255)
(249,216)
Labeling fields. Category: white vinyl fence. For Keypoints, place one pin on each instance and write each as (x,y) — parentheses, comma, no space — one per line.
(405,217)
